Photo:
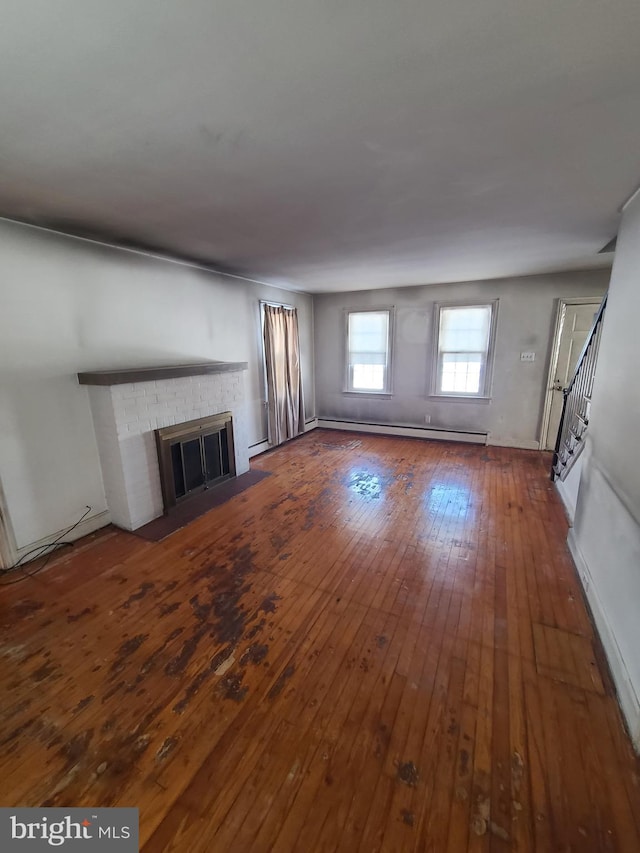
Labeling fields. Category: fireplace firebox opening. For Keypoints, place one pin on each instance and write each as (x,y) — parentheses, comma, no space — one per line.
(195,456)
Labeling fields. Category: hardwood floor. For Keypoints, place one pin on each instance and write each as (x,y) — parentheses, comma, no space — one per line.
(381,646)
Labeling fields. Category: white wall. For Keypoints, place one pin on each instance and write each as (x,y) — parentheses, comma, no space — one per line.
(68,305)
(526,315)
(605,539)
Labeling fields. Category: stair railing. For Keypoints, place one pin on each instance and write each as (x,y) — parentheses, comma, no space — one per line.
(576,405)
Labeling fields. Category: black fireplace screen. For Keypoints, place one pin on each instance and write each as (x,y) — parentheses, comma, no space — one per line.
(194,456)
(199,462)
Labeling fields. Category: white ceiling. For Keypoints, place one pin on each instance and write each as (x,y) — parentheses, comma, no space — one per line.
(326,144)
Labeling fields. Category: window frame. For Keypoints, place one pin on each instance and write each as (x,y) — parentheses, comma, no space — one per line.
(348,379)
(484,393)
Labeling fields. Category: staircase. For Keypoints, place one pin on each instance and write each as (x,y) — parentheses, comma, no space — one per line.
(576,406)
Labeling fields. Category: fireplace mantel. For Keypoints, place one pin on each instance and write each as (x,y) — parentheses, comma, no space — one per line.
(125,376)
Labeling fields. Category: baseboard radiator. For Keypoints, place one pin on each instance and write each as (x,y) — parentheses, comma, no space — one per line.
(431,433)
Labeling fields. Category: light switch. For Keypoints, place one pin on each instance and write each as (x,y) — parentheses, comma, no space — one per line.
(527,356)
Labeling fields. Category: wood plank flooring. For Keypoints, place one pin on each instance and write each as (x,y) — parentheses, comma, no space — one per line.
(382,646)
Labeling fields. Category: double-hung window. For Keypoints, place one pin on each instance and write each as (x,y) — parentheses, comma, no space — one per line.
(368,351)
(464,349)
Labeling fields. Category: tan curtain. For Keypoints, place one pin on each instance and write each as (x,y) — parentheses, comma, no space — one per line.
(284,379)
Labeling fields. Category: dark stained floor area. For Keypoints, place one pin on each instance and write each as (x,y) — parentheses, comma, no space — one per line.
(381,646)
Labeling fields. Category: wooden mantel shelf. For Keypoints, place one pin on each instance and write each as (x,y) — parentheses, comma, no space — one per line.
(149,374)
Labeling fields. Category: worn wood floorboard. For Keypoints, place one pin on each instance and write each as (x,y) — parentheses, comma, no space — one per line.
(381,647)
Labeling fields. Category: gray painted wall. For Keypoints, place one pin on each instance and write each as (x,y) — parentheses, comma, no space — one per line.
(526,317)
(70,305)
(605,539)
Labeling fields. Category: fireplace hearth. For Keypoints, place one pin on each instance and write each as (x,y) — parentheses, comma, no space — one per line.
(194,456)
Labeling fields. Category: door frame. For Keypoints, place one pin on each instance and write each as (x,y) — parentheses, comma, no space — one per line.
(8,548)
(553,361)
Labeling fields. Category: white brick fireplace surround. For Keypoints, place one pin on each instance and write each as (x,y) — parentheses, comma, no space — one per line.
(128,405)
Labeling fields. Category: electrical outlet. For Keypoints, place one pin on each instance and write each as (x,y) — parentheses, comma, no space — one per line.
(427,419)
(527,356)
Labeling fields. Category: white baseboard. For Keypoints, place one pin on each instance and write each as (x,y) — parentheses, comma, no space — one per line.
(627,696)
(263,446)
(88,525)
(408,432)
(518,443)
(256,449)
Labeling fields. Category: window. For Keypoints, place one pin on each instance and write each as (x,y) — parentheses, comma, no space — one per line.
(368,336)
(464,339)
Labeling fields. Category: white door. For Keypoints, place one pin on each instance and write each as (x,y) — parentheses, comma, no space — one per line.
(575,326)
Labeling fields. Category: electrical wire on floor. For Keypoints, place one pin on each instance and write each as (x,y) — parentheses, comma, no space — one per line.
(55,546)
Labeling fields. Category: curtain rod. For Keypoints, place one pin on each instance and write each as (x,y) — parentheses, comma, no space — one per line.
(276,304)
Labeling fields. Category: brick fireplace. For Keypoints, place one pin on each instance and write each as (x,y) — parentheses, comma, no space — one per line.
(128,406)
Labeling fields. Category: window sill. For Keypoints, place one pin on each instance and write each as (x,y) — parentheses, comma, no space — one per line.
(386,395)
(455,398)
